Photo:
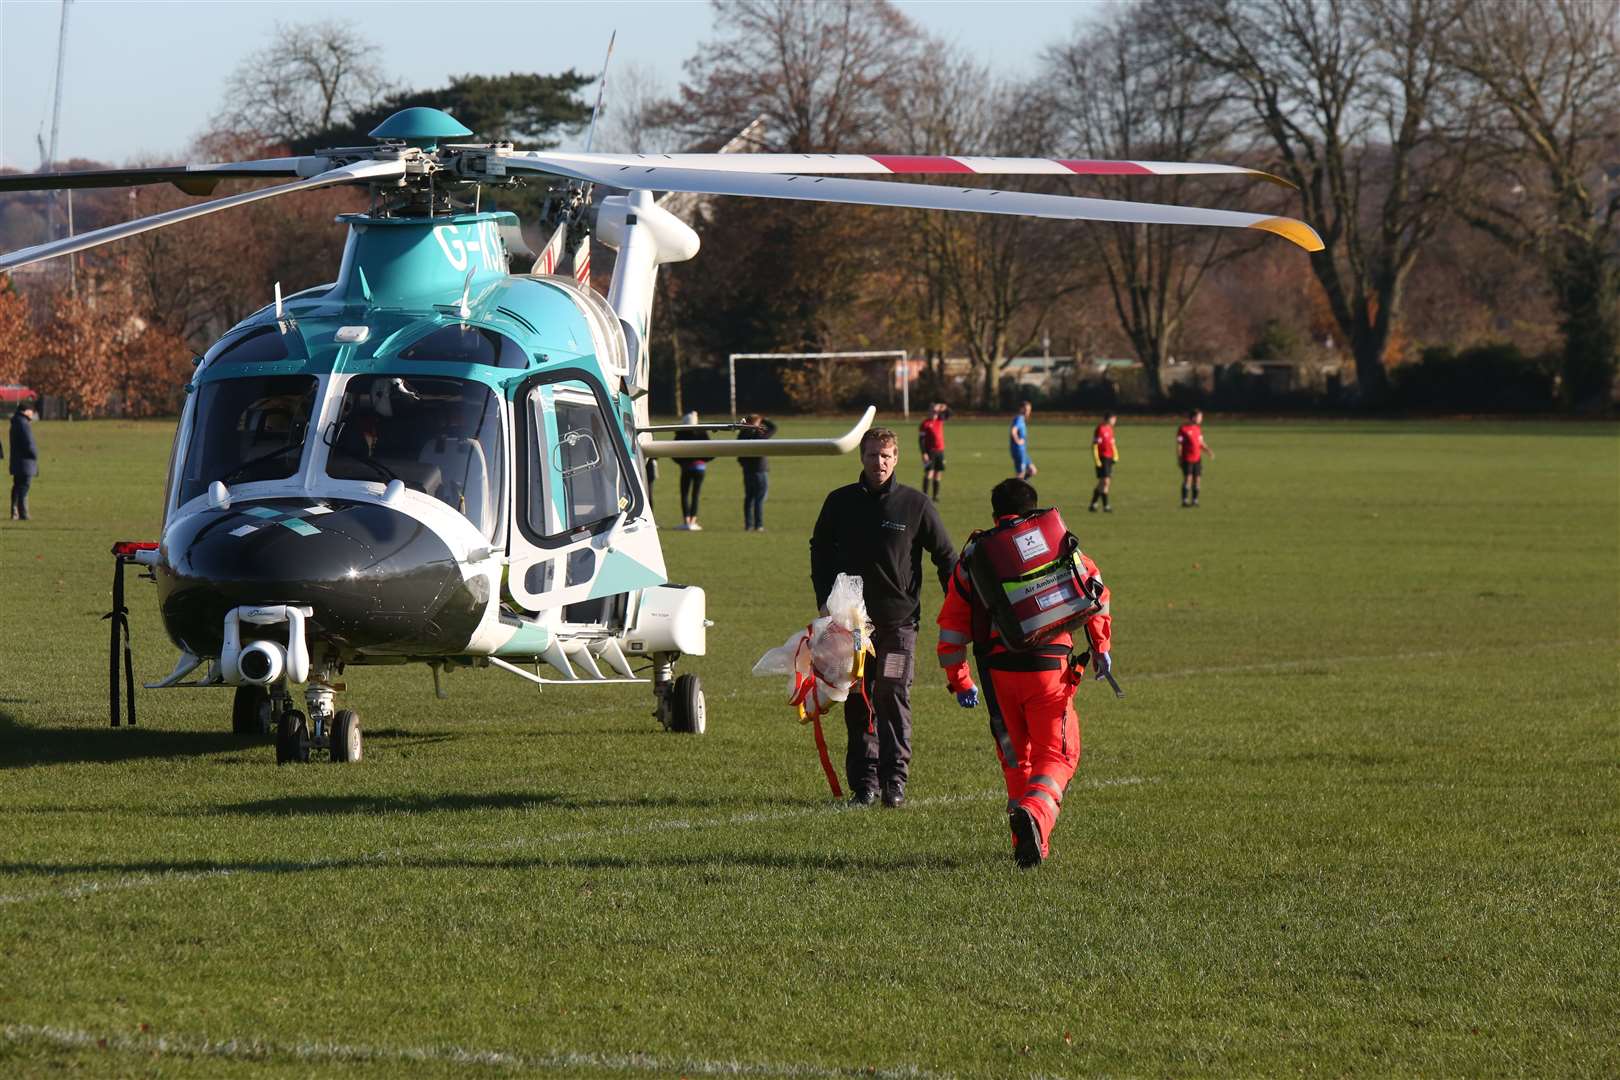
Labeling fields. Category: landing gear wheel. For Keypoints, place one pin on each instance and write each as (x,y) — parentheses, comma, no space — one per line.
(345,736)
(250,711)
(292,738)
(687,710)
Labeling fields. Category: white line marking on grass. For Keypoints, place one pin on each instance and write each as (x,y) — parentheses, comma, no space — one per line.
(138,881)
(396,855)
(262,1050)
(1314,661)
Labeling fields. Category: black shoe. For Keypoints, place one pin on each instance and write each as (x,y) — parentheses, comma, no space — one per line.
(1092,509)
(1026,837)
(862,798)
(894,798)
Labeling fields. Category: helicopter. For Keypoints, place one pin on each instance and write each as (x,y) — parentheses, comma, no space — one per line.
(438,458)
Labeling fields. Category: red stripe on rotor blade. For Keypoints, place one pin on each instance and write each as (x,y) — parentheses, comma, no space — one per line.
(910,163)
(1106,168)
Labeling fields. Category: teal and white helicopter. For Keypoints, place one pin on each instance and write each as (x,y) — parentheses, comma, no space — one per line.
(439,459)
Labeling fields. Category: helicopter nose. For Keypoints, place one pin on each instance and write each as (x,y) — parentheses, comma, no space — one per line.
(375,577)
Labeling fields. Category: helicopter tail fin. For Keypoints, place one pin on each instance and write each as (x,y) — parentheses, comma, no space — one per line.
(551,256)
(555,259)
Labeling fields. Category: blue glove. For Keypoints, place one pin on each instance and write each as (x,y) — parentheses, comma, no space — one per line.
(968,699)
(1101,665)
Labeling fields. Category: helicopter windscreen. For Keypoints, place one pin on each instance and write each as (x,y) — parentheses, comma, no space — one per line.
(247,429)
(439,436)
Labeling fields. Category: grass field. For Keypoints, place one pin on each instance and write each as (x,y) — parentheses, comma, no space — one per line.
(1357,815)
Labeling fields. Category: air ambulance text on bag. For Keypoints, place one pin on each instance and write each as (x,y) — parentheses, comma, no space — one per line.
(1030,576)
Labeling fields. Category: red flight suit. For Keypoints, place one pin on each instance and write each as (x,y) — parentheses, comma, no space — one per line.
(1031,696)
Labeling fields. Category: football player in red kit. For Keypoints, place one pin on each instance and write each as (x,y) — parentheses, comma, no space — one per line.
(1030,694)
(931,443)
(1104,452)
(1190,451)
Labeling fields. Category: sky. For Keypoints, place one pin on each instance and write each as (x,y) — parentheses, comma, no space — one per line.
(143,77)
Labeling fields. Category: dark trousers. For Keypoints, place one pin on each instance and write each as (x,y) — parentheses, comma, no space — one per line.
(755,486)
(691,484)
(19,496)
(880,738)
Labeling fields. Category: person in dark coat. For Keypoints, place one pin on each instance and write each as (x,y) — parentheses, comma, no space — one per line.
(693,471)
(24,459)
(880,529)
(756,473)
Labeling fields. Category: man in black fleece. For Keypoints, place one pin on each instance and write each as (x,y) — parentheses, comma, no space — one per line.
(879,528)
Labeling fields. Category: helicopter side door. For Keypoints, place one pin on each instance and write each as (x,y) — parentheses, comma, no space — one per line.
(582,532)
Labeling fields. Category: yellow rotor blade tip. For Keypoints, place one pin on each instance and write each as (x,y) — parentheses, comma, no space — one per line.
(1296,232)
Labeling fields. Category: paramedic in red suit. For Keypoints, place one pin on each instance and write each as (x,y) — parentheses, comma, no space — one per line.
(1031,696)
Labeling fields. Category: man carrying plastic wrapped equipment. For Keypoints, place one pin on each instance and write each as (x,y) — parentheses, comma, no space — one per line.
(877,528)
(1015,597)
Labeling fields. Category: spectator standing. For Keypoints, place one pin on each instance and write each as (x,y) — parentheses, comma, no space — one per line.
(24,459)
(931,443)
(1104,452)
(692,472)
(878,528)
(1190,451)
(1018,442)
(756,473)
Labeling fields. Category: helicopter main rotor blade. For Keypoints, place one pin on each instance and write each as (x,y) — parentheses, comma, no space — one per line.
(360,171)
(918,165)
(192,179)
(914,196)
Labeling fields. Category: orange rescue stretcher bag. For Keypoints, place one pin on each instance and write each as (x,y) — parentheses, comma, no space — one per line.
(1029,575)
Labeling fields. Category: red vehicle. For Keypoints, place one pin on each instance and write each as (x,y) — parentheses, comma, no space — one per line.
(13,395)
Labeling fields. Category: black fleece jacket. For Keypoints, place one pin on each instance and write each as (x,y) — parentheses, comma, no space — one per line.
(881,536)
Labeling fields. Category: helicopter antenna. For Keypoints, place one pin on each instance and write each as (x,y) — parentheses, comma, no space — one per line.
(601,85)
(284,322)
(463,308)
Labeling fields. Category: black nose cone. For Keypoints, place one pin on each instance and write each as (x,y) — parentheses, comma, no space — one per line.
(376,578)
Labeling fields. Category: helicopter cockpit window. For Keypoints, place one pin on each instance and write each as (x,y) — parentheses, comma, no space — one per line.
(263,346)
(463,344)
(575,476)
(247,430)
(439,436)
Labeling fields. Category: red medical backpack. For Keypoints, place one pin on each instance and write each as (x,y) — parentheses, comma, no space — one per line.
(1031,580)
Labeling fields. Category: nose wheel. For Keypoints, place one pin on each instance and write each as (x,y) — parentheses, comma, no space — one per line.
(292,737)
(298,735)
(345,737)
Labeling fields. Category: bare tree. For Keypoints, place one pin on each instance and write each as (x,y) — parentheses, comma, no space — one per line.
(1352,99)
(822,74)
(309,78)
(1548,78)
(1124,90)
(986,283)
(819,74)
(630,107)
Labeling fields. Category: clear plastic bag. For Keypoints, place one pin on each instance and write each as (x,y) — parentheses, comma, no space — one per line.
(821,658)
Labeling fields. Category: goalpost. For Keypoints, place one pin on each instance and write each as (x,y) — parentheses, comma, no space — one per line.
(902,370)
